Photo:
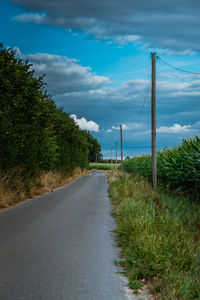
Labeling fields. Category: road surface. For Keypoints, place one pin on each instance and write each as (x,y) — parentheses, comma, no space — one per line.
(59,246)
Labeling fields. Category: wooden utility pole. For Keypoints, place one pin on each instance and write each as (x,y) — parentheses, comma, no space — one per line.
(121,148)
(111,159)
(116,155)
(96,160)
(153,120)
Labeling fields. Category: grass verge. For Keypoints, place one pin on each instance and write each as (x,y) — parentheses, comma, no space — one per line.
(16,186)
(159,237)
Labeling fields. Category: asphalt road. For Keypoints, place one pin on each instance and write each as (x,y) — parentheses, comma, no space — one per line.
(59,246)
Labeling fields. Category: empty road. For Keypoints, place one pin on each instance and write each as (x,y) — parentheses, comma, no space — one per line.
(59,246)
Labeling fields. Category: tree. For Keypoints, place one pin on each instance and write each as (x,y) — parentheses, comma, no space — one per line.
(34,133)
(94,148)
(25,109)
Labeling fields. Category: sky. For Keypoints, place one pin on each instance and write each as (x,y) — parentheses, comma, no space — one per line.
(97,59)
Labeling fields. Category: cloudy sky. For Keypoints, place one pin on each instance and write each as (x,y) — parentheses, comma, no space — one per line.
(97,59)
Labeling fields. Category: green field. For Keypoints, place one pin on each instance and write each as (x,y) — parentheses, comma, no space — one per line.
(177,168)
(103,166)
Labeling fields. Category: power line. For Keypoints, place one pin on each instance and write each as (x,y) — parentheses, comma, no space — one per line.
(145,100)
(178,69)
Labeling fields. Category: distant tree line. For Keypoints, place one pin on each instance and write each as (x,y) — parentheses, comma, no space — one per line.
(109,161)
(34,133)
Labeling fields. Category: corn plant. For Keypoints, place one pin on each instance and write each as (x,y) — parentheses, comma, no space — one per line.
(178,167)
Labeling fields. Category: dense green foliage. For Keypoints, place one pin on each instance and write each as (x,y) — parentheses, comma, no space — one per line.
(159,237)
(94,148)
(34,133)
(178,168)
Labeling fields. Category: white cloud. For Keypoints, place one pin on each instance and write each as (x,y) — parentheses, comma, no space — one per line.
(131,127)
(186,93)
(124,126)
(30,17)
(64,74)
(125,21)
(196,125)
(67,78)
(173,89)
(124,40)
(168,86)
(86,125)
(176,128)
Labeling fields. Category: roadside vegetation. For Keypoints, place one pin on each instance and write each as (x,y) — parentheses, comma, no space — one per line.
(177,168)
(16,185)
(37,139)
(103,166)
(159,236)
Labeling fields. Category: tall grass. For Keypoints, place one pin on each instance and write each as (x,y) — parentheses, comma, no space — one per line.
(159,238)
(17,185)
(178,168)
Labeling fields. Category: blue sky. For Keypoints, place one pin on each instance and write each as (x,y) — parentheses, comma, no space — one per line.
(96,57)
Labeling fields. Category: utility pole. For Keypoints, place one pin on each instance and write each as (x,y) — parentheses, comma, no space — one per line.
(116,155)
(121,148)
(153,120)
(111,159)
(96,160)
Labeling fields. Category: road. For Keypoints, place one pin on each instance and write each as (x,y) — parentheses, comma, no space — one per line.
(59,246)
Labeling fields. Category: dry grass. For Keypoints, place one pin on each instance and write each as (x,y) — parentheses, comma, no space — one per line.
(15,186)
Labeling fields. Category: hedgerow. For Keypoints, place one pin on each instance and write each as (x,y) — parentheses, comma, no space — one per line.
(34,133)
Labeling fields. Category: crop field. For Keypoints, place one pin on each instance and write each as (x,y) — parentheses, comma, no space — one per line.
(103,166)
(177,168)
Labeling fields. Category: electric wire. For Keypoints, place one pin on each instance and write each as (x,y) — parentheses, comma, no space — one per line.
(144,103)
(178,69)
